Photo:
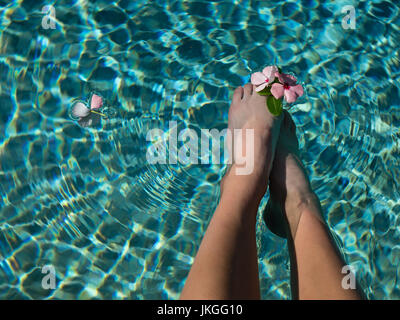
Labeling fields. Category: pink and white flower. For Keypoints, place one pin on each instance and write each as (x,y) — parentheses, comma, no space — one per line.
(287,87)
(263,79)
(86,115)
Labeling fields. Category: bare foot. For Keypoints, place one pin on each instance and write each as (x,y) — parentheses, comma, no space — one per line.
(290,188)
(248,110)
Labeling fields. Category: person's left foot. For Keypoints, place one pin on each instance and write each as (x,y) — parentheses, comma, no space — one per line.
(289,184)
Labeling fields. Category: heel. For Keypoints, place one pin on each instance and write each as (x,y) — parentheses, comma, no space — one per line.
(274,219)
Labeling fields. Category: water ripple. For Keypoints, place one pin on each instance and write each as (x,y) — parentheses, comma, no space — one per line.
(87,201)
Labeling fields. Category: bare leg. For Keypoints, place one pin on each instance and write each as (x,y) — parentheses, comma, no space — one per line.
(316,263)
(226,264)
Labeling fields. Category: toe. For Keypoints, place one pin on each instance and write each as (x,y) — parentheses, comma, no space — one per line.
(238,94)
(248,90)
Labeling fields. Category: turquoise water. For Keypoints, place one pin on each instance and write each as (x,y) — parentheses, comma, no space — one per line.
(86,201)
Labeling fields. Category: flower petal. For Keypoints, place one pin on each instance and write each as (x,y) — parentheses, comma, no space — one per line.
(80,110)
(270,72)
(298,89)
(272,78)
(85,122)
(258,78)
(287,78)
(277,90)
(96,101)
(92,119)
(290,95)
(261,87)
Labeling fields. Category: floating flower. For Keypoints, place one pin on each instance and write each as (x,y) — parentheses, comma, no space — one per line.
(88,116)
(263,79)
(287,87)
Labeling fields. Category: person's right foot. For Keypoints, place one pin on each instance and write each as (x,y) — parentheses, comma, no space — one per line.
(289,185)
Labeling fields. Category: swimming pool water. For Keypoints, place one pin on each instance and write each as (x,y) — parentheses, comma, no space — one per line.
(86,201)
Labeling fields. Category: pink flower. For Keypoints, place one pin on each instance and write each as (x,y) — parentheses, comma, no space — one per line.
(264,78)
(87,116)
(287,88)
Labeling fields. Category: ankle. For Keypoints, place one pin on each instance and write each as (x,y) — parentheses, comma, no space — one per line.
(293,206)
(298,201)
